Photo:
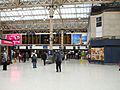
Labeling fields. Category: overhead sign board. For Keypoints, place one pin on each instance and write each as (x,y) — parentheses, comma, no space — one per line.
(15,38)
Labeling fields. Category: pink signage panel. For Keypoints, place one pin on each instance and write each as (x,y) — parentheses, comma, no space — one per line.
(7,43)
(15,38)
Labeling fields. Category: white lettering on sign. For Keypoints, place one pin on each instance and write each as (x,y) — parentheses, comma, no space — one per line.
(8,42)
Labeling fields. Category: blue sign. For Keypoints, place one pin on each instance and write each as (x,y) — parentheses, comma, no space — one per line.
(84,38)
(76,39)
(45,47)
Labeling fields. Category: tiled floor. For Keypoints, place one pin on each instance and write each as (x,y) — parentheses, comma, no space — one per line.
(74,76)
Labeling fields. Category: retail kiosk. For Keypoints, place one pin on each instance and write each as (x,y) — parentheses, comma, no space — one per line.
(106,50)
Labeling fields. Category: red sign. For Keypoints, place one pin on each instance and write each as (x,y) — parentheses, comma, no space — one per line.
(15,38)
(7,43)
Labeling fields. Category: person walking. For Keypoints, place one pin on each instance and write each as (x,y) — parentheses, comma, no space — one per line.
(44,57)
(34,61)
(27,56)
(34,53)
(4,60)
(58,61)
(20,57)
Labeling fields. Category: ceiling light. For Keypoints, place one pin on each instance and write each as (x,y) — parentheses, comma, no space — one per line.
(43,19)
(79,18)
(22,16)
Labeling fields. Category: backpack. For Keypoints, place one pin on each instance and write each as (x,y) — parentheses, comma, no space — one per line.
(34,57)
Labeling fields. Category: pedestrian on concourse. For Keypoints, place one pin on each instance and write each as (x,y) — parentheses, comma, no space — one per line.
(34,53)
(44,57)
(4,60)
(34,61)
(58,61)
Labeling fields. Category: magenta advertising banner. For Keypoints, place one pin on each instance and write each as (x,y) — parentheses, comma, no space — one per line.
(7,43)
(15,38)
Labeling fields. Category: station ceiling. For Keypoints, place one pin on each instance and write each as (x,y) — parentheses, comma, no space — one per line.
(31,15)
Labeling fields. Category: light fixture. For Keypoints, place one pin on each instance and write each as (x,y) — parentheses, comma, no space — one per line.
(44,19)
(79,18)
(22,16)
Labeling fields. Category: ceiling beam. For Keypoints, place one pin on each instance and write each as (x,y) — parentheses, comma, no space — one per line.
(46,21)
(44,3)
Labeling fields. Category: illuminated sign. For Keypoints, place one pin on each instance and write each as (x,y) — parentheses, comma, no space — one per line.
(7,43)
(15,38)
(76,39)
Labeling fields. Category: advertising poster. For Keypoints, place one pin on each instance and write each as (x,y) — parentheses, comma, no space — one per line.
(15,38)
(7,43)
(76,39)
(97,53)
(84,38)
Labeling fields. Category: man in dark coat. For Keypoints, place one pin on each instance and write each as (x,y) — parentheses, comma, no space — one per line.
(44,57)
(34,61)
(58,61)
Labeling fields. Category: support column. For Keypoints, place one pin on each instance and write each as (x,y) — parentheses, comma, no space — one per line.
(51,27)
(81,39)
(62,36)
(51,34)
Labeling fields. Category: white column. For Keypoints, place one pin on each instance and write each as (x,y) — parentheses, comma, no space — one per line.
(51,27)
(51,34)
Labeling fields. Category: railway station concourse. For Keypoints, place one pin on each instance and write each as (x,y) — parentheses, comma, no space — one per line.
(86,34)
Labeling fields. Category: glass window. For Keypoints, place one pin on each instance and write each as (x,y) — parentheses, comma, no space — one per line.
(67,11)
(98,21)
(1,1)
